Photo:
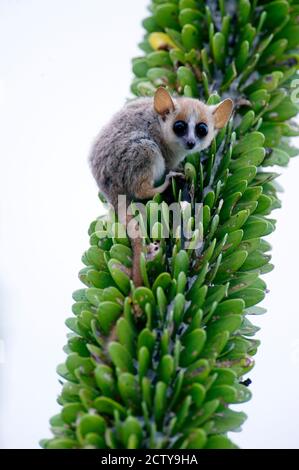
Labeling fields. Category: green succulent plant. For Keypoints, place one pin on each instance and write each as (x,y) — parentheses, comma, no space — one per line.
(168,378)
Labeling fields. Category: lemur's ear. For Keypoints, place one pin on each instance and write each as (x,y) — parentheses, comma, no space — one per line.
(222,113)
(163,103)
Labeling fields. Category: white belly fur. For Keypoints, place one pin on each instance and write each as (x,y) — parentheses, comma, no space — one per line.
(159,168)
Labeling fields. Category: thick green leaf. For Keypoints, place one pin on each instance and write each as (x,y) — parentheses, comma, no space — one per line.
(166,15)
(120,357)
(228,420)
(193,344)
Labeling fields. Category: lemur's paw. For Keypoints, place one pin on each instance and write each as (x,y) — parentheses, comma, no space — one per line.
(174,174)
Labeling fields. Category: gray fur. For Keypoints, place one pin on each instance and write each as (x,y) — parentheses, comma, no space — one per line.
(125,151)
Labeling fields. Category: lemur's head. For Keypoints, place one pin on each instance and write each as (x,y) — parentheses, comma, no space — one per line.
(187,124)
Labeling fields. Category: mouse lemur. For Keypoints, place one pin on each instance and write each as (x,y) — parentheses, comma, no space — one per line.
(146,139)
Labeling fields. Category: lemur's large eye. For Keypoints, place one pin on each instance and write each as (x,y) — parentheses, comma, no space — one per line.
(180,128)
(201,130)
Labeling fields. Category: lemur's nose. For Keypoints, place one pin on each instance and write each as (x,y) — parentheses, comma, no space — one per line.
(190,144)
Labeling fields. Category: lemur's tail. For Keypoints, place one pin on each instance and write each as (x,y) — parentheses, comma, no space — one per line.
(134,233)
(135,236)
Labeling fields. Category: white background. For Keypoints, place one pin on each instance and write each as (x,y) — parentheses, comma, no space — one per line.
(64,69)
